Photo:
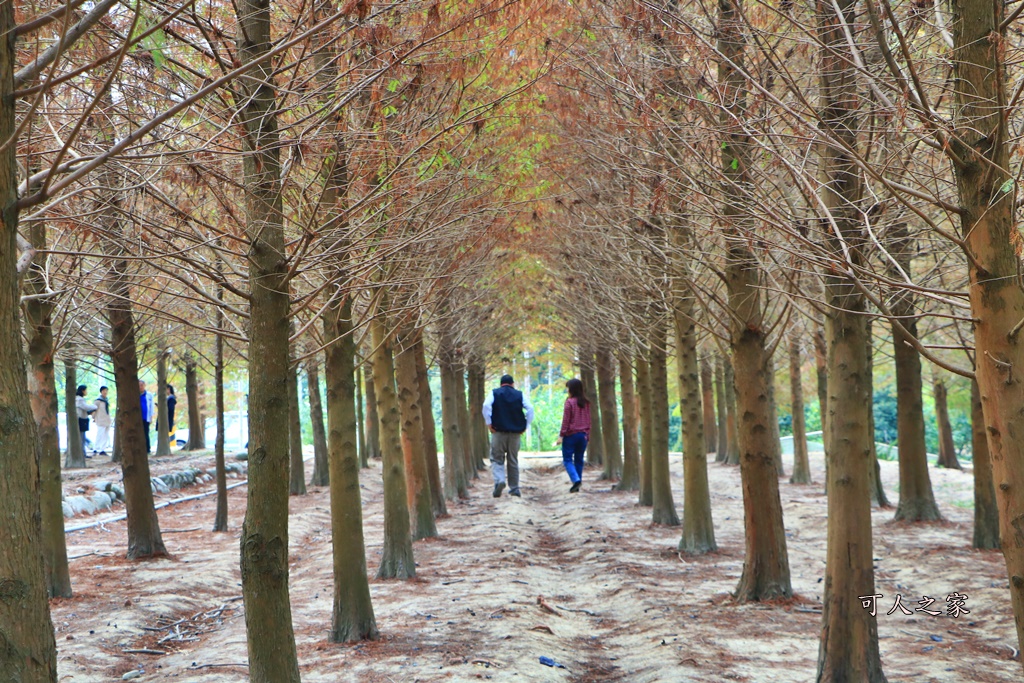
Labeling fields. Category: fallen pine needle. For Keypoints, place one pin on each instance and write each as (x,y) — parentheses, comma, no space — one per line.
(143,651)
(542,627)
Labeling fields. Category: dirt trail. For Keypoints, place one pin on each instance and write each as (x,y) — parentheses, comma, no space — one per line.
(618,602)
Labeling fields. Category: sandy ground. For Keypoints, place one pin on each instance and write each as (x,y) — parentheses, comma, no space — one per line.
(626,606)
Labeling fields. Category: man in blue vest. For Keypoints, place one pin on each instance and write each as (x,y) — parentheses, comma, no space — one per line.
(508,414)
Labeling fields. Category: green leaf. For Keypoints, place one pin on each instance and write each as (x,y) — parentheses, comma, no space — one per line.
(1007,186)
(393,85)
(735,164)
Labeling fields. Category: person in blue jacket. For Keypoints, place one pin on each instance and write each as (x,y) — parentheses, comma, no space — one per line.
(146,403)
(508,414)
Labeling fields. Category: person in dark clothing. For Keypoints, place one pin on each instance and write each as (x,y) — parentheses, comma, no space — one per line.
(172,401)
(146,403)
(83,410)
(508,414)
(575,432)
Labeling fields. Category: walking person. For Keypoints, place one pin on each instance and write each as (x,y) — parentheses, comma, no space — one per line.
(508,414)
(575,432)
(146,403)
(172,401)
(83,410)
(102,419)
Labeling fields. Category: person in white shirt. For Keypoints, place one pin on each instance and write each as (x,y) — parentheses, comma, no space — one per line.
(508,414)
(83,410)
(102,419)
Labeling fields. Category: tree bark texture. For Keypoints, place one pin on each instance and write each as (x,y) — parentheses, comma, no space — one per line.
(917,502)
(220,520)
(296,463)
(455,480)
(947,449)
(42,387)
(643,390)
(664,507)
(352,617)
(470,460)
(29,653)
(722,440)
(875,484)
(595,447)
(476,377)
(698,528)
(731,422)
(372,421)
(264,539)
(630,480)
(801,461)
(707,388)
(612,462)
(74,454)
(766,564)
(196,428)
(417,480)
(364,460)
(986,514)
(429,431)
(848,648)
(988,226)
(396,558)
(321,461)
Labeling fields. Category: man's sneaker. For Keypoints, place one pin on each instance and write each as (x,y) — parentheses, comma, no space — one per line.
(515,492)
(498,488)
(575,487)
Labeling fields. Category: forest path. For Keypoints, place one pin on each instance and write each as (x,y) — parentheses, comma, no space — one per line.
(625,606)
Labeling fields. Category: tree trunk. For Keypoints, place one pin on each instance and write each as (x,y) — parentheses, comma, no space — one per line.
(42,387)
(372,421)
(731,423)
(917,502)
(417,480)
(595,447)
(707,387)
(364,460)
(455,484)
(74,454)
(469,459)
(878,496)
(163,428)
(115,446)
(801,461)
(144,539)
(630,437)
(353,617)
(296,463)
(848,649)
(264,540)
(28,653)
(321,461)
(664,507)
(609,414)
(196,428)
(947,449)
(477,395)
(429,433)
(773,417)
(722,440)
(986,514)
(698,527)
(396,559)
(643,390)
(988,198)
(220,521)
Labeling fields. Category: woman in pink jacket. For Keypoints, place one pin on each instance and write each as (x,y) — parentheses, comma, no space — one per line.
(575,432)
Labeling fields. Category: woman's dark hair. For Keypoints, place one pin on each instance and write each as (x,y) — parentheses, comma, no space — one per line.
(575,388)
(80,391)
(171,389)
